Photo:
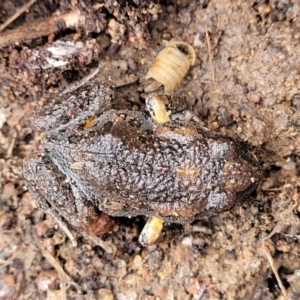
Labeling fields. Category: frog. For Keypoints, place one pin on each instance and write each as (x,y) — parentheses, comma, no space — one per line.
(128,163)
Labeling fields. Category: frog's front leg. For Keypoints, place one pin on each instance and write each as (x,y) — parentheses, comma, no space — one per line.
(52,193)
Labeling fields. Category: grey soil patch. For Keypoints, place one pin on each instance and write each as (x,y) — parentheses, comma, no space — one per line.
(244,84)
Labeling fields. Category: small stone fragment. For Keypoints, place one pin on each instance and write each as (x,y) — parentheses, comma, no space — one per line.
(105,294)
(48,280)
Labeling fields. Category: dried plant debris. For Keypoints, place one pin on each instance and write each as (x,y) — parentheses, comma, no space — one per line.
(88,18)
(44,28)
(50,46)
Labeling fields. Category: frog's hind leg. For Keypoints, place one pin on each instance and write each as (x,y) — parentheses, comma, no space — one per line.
(73,108)
(52,193)
(91,218)
(46,186)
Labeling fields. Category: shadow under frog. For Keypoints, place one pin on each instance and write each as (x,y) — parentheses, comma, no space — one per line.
(126,164)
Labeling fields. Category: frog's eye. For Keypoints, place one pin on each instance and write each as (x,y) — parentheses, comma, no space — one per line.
(31,184)
(39,167)
(170,66)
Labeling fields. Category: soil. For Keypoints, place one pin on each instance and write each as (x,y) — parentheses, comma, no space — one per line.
(244,84)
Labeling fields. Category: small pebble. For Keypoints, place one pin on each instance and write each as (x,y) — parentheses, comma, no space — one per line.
(105,294)
(48,280)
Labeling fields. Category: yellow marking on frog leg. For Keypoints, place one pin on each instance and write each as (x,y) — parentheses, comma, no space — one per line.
(89,123)
(151,231)
(157,108)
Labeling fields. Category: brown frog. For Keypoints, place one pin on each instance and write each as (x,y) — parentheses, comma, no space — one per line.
(126,164)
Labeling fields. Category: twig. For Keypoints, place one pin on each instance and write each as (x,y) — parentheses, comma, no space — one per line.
(280,227)
(209,53)
(271,262)
(74,86)
(16,15)
(272,190)
(44,28)
(61,273)
(9,261)
(12,144)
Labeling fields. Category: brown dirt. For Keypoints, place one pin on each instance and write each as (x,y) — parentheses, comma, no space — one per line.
(245,84)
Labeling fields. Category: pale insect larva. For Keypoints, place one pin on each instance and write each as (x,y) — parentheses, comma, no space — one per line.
(170,66)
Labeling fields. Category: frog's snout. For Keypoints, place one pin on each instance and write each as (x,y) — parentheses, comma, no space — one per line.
(29,165)
(239,175)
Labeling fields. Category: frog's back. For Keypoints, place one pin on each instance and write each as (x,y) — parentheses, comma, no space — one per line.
(130,166)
